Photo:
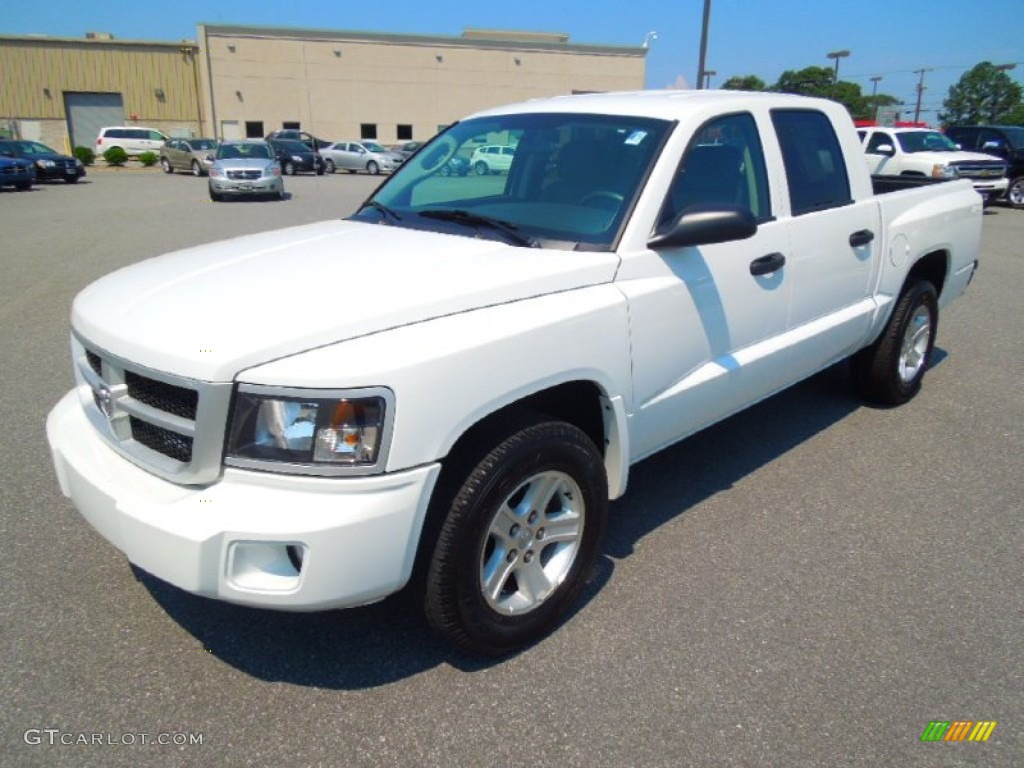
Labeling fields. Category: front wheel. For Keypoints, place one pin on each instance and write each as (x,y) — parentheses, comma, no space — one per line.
(372,168)
(519,539)
(197,169)
(166,165)
(481,168)
(890,371)
(1015,194)
(329,166)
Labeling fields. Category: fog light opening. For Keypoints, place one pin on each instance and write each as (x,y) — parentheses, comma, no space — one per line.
(296,554)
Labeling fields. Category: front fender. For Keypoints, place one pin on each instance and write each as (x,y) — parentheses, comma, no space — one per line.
(449,373)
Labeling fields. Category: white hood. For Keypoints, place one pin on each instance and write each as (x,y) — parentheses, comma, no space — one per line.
(209,312)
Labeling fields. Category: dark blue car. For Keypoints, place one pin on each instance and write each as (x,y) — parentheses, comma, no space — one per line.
(16,173)
(49,164)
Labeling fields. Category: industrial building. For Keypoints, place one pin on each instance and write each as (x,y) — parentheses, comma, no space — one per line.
(243,81)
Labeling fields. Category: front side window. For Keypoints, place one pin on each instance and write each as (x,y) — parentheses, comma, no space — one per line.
(814,162)
(556,180)
(724,165)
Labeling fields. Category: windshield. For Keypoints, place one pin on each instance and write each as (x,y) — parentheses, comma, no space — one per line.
(198,144)
(34,148)
(1015,137)
(290,145)
(554,180)
(925,141)
(373,146)
(242,151)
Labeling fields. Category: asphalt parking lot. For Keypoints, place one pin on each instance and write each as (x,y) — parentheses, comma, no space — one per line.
(809,583)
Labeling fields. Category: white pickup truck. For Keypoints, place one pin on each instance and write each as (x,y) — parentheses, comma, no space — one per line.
(922,152)
(446,389)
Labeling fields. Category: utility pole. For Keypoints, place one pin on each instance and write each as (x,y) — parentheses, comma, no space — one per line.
(703,44)
(874,93)
(920,93)
(707,78)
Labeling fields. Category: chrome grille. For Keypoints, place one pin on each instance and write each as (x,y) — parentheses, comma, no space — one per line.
(168,425)
(980,169)
(250,175)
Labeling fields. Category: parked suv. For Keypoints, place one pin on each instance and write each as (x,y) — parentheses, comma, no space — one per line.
(48,163)
(132,139)
(491,158)
(1005,141)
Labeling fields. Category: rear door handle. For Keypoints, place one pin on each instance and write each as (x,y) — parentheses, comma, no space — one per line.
(765,265)
(861,237)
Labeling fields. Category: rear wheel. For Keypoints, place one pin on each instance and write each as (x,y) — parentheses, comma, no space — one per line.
(519,539)
(890,370)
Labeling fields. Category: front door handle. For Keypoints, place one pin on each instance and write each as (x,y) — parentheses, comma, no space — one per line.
(765,265)
(861,237)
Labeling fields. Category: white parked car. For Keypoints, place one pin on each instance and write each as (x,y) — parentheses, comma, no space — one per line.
(924,152)
(492,158)
(364,155)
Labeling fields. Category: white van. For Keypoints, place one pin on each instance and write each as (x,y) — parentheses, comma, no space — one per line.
(132,139)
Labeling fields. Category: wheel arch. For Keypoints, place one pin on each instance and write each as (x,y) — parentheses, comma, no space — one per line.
(933,267)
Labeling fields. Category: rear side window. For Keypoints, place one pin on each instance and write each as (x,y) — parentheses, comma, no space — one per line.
(815,167)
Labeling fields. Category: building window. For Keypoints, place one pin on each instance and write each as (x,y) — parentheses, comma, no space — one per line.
(404,132)
(291,126)
(254,129)
(368,131)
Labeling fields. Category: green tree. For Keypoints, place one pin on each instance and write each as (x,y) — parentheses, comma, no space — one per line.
(744,83)
(809,81)
(985,94)
(1015,116)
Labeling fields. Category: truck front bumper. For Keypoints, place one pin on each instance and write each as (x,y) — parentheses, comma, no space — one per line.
(272,541)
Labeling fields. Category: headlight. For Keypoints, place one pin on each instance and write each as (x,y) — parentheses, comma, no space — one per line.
(45,163)
(312,431)
(296,158)
(272,170)
(941,171)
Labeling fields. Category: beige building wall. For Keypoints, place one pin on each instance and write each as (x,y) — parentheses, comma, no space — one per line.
(332,83)
(39,71)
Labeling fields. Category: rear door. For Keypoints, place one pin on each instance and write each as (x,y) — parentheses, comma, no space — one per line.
(834,242)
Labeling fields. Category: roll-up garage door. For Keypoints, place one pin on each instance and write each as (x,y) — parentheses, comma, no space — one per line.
(88,112)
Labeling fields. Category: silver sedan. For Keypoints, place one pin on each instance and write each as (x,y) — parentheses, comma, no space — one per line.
(364,155)
(245,168)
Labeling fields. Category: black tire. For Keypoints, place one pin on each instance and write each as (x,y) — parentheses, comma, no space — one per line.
(197,169)
(216,196)
(492,525)
(889,372)
(329,166)
(481,168)
(1015,193)
(372,168)
(166,165)
(289,169)
(71,179)
(23,186)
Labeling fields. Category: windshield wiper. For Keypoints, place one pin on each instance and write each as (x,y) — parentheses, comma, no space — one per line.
(507,228)
(382,208)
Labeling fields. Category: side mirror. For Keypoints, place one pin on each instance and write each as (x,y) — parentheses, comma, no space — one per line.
(884,149)
(705,224)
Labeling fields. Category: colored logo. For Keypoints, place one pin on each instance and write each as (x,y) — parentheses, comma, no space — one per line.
(958,730)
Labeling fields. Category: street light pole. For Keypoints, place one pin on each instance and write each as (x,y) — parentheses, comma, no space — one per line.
(703,43)
(707,78)
(837,55)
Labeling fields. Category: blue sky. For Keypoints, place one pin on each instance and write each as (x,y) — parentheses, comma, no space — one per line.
(891,38)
